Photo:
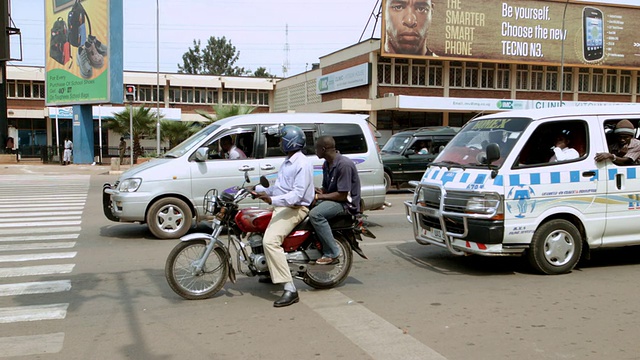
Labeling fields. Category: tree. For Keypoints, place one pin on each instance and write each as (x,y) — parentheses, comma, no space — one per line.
(216,58)
(176,132)
(261,72)
(225,111)
(144,124)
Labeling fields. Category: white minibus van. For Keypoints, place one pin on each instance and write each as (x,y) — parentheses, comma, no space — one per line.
(167,193)
(500,188)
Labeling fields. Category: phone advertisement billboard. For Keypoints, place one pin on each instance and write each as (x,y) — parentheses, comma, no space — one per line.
(521,31)
(78,51)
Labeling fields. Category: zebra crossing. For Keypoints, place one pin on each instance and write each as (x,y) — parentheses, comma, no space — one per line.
(40,222)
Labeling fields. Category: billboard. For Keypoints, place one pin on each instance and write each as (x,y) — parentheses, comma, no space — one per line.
(520,31)
(78,51)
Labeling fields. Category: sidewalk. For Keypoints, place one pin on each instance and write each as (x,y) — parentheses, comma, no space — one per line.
(57,169)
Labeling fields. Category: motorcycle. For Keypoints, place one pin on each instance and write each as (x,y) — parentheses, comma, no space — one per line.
(199,265)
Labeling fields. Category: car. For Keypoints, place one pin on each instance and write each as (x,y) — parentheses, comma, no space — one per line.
(167,193)
(407,153)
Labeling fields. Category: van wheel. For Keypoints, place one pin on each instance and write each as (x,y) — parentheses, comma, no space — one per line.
(555,247)
(387,182)
(169,218)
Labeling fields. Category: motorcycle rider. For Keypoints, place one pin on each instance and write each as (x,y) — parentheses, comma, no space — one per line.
(291,195)
(339,194)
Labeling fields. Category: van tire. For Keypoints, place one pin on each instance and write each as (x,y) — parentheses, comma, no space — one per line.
(387,181)
(169,218)
(555,247)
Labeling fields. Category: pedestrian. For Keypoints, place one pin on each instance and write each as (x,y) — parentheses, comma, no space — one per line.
(122,147)
(68,151)
(291,195)
(339,195)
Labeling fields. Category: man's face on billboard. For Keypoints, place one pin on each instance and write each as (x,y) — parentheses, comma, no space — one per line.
(407,23)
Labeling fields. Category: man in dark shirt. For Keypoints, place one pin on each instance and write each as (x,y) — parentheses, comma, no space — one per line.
(340,194)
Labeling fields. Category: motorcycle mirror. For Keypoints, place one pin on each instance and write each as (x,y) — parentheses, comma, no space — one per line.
(264,182)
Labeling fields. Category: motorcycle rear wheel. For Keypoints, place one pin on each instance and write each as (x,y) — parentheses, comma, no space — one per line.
(179,270)
(330,276)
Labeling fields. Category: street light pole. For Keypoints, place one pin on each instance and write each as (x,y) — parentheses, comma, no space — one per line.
(158,77)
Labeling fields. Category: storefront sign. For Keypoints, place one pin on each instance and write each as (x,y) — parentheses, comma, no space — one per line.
(355,76)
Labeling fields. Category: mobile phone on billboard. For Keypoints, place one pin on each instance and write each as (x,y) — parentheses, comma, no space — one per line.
(593,34)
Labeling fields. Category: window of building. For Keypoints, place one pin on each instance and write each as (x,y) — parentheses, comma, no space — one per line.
(537,77)
(227,97)
(625,82)
(263,98)
(187,95)
(418,73)
(212,97)
(145,93)
(503,76)
(488,76)
(435,73)
(384,71)
(174,95)
(401,72)
(455,74)
(597,80)
(11,88)
(522,77)
(551,78)
(584,80)
(611,81)
(471,77)
(568,79)
(24,89)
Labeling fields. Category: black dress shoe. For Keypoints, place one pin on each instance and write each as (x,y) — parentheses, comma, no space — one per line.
(287,298)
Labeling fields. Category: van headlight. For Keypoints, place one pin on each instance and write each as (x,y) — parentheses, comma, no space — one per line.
(486,204)
(130,185)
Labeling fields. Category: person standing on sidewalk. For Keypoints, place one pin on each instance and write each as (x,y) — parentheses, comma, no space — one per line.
(68,150)
(339,195)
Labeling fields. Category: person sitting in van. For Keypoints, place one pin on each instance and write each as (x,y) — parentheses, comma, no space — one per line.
(624,151)
(229,150)
(422,148)
(561,150)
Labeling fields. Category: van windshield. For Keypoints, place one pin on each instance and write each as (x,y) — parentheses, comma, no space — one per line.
(191,141)
(468,148)
(396,144)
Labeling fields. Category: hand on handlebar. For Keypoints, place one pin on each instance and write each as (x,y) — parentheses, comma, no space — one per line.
(264,197)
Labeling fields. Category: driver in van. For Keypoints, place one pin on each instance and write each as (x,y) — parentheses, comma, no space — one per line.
(561,149)
(625,151)
(291,196)
(229,150)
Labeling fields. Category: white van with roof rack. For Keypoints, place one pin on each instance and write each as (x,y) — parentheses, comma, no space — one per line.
(167,193)
(499,188)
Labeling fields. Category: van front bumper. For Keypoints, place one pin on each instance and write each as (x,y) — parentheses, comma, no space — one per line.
(124,207)
(480,236)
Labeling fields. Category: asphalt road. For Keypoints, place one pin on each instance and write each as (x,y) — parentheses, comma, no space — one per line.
(74,285)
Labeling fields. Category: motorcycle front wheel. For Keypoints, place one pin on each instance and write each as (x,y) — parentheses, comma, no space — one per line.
(186,281)
(329,276)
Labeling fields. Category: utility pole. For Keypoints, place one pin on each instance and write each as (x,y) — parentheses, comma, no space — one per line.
(4,56)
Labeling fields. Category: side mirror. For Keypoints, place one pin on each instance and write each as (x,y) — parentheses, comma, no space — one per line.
(264,181)
(409,152)
(493,152)
(202,154)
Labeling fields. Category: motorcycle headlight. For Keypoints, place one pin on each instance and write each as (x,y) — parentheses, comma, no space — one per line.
(484,205)
(130,185)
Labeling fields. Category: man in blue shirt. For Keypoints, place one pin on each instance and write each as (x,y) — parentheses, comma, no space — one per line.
(340,194)
(291,196)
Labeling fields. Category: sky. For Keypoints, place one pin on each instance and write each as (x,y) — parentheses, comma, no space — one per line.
(257,28)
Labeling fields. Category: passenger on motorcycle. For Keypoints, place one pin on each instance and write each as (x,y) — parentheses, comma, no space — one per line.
(339,194)
(291,195)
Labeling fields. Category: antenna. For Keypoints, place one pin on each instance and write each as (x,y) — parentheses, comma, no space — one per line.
(375,13)
(285,64)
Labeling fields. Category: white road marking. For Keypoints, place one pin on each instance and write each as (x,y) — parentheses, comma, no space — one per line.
(41,219)
(37,287)
(33,257)
(35,270)
(12,208)
(38,246)
(379,338)
(41,230)
(17,214)
(40,223)
(40,237)
(33,313)
(31,345)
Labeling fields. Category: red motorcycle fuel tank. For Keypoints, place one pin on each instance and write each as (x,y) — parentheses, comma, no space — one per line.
(253,219)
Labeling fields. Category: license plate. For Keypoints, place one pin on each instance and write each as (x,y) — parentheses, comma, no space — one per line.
(432,232)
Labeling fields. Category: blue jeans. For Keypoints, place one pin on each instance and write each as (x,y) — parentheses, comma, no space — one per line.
(319,216)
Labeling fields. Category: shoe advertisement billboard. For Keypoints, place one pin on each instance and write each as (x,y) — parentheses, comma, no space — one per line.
(546,32)
(83,50)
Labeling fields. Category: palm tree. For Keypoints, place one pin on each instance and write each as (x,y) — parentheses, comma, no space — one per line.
(224,111)
(176,132)
(144,124)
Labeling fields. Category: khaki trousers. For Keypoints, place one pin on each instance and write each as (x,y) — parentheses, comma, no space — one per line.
(284,219)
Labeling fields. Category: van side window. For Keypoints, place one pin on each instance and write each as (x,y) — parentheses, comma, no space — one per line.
(273,144)
(349,137)
(243,141)
(622,141)
(555,142)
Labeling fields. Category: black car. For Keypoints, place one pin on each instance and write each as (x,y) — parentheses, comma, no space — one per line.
(407,153)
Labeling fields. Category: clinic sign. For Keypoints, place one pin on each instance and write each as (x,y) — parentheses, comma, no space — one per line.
(526,31)
(354,76)
(82,62)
